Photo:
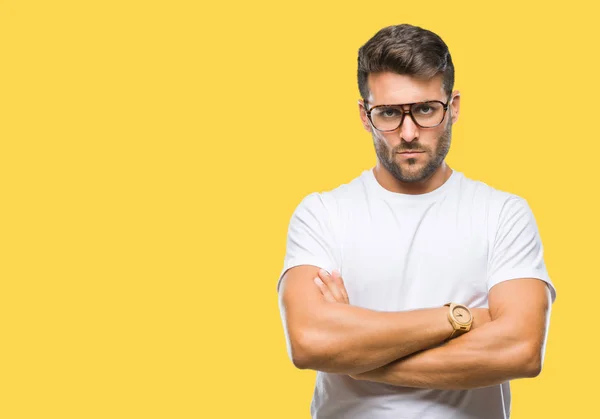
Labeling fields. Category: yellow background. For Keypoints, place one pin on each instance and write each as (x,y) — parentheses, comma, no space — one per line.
(152,153)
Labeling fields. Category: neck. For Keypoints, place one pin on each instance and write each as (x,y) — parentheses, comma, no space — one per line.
(389,182)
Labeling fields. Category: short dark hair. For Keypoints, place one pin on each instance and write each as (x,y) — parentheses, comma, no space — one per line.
(405,49)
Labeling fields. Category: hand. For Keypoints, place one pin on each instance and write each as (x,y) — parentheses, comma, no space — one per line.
(332,287)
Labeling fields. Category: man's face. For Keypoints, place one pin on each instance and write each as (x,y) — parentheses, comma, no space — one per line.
(410,153)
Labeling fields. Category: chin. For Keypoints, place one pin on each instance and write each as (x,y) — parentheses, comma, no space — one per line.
(416,171)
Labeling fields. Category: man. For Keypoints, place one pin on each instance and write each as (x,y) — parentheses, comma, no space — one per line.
(414,291)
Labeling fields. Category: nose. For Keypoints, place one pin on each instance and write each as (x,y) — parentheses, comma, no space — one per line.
(409,131)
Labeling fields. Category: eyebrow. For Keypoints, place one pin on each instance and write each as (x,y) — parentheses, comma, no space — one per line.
(410,103)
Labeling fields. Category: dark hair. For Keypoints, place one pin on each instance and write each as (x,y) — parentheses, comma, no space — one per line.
(405,49)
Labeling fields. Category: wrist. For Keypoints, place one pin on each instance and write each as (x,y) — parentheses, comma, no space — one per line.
(447,326)
(460,319)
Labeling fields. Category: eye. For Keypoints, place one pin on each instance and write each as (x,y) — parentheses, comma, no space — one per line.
(423,109)
(388,112)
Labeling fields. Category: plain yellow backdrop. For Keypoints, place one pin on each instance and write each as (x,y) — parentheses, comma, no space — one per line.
(151,156)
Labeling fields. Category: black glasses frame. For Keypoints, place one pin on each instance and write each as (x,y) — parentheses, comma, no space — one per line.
(405,112)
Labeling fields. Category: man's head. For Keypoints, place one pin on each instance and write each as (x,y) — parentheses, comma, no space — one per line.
(402,65)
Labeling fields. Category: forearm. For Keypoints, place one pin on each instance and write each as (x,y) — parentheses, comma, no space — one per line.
(350,340)
(482,357)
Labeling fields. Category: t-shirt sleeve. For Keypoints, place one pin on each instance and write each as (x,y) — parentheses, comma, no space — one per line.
(517,250)
(310,236)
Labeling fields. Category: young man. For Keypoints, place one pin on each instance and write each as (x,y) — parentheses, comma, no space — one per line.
(414,291)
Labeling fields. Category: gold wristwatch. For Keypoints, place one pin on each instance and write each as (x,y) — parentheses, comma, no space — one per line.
(460,318)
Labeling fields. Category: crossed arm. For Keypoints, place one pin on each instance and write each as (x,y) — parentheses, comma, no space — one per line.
(407,348)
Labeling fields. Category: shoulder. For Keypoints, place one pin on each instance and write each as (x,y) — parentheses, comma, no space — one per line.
(509,217)
(499,210)
(332,200)
(496,200)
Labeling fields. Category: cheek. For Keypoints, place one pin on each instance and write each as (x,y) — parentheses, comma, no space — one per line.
(431,140)
(390,139)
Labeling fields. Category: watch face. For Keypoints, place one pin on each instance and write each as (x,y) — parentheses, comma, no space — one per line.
(461,315)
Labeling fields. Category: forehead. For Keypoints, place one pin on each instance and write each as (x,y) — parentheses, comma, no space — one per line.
(392,88)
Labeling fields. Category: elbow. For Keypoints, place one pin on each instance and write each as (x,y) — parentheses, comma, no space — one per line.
(300,354)
(305,350)
(301,361)
(534,367)
(531,365)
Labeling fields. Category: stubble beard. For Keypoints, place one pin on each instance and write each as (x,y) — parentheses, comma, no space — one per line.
(411,173)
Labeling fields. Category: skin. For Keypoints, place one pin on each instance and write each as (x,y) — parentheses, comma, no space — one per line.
(427,170)
(345,339)
(325,332)
(502,348)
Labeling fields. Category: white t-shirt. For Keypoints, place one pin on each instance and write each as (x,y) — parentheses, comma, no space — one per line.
(400,252)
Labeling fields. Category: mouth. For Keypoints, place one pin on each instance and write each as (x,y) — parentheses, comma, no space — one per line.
(410,153)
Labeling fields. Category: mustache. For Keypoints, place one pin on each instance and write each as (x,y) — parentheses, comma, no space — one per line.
(409,147)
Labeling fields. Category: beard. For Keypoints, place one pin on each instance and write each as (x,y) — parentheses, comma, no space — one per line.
(413,170)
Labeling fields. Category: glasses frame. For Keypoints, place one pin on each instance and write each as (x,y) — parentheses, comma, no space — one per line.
(406,112)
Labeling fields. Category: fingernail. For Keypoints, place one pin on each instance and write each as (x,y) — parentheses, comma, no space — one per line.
(323,272)
(318,281)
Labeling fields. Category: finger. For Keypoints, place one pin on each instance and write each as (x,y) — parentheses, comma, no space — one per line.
(331,284)
(324,290)
(337,277)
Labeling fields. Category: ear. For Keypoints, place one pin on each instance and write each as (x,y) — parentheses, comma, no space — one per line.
(455,105)
(363,115)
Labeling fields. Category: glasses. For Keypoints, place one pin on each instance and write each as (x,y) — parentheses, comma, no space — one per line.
(428,114)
